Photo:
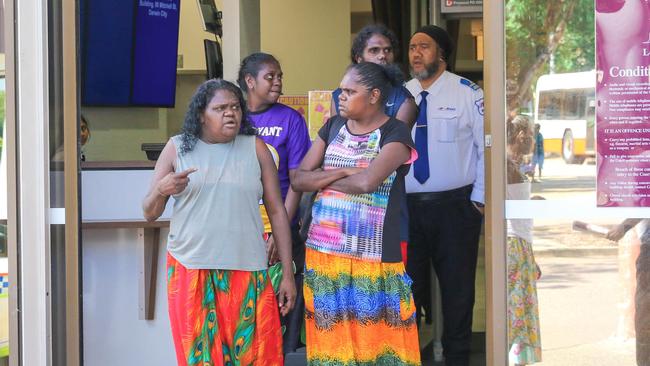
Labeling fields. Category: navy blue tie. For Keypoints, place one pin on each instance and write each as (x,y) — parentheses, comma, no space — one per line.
(421,165)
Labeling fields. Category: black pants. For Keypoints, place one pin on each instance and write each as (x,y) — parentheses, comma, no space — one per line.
(444,231)
(293,321)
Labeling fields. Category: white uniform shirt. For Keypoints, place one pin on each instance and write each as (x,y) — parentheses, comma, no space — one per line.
(455,136)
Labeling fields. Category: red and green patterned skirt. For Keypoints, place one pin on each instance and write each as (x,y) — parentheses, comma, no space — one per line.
(223,317)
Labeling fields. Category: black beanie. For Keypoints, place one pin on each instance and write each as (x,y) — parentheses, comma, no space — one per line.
(441,37)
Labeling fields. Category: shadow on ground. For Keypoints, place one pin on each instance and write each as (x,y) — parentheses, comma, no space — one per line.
(564,275)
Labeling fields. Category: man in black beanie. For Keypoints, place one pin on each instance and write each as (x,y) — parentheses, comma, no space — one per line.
(445,186)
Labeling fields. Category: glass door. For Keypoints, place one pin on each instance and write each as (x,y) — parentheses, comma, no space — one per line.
(9,344)
(64,130)
(573,159)
(5,141)
(38,185)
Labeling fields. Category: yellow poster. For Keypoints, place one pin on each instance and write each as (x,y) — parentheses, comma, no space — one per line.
(320,102)
(299,103)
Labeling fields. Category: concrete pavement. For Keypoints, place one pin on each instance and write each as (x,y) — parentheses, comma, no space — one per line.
(580,312)
(583,298)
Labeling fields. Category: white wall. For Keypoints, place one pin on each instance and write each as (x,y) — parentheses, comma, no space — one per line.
(311,38)
(361,6)
(191,36)
(112,332)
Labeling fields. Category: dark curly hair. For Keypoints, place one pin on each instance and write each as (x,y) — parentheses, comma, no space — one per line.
(251,65)
(191,130)
(375,76)
(361,40)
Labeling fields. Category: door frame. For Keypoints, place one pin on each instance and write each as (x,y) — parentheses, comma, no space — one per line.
(29,229)
(495,162)
(28,82)
(71,119)
(9,144)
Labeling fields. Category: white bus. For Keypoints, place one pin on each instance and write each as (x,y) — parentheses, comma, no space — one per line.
(565,106)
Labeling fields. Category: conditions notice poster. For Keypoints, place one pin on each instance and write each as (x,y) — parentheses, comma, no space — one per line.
(623,102)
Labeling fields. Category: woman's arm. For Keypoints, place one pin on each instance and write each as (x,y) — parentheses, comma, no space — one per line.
(292,201)
(297,146)
(309,177)
(391,157)
(619,231)
(279,223)
(408,112)
(164,183)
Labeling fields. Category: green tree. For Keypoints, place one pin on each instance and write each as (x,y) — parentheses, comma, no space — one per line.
(2,111)
(540,32)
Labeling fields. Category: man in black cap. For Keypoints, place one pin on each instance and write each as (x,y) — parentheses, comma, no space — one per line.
(445,186)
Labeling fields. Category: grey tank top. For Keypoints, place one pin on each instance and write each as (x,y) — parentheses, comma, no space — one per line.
(216,221)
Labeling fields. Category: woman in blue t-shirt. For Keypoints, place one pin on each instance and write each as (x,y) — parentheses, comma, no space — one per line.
(377,44)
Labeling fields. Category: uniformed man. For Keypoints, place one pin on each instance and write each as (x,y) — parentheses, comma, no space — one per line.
(445,186)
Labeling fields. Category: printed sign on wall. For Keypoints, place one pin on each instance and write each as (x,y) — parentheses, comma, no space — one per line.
(299,103)
(623,102)
(320,102)
(461,6)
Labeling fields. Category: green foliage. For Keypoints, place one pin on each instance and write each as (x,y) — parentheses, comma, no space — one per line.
(524,32)
(577,50)
(530,27)
(3,240)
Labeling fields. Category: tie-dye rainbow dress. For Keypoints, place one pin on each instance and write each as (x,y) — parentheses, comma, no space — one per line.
(358,301)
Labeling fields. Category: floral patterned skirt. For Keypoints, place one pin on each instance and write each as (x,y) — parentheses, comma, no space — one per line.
(358,312)
(523,312)
(223,317)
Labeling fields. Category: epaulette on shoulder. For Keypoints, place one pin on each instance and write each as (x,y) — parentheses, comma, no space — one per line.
(469,84)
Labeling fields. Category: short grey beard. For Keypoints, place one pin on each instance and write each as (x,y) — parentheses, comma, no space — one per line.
(429,71)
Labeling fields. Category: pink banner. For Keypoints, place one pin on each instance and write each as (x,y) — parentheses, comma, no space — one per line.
(623,102)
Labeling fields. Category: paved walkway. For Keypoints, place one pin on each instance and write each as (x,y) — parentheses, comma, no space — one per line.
(582,312)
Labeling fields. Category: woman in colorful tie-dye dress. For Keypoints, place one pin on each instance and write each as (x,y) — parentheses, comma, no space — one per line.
(359,306)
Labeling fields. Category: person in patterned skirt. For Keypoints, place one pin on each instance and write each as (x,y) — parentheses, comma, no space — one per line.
(358,301)
(222,307)
(523,272)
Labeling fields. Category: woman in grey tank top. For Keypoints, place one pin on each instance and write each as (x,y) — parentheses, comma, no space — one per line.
(221,303)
